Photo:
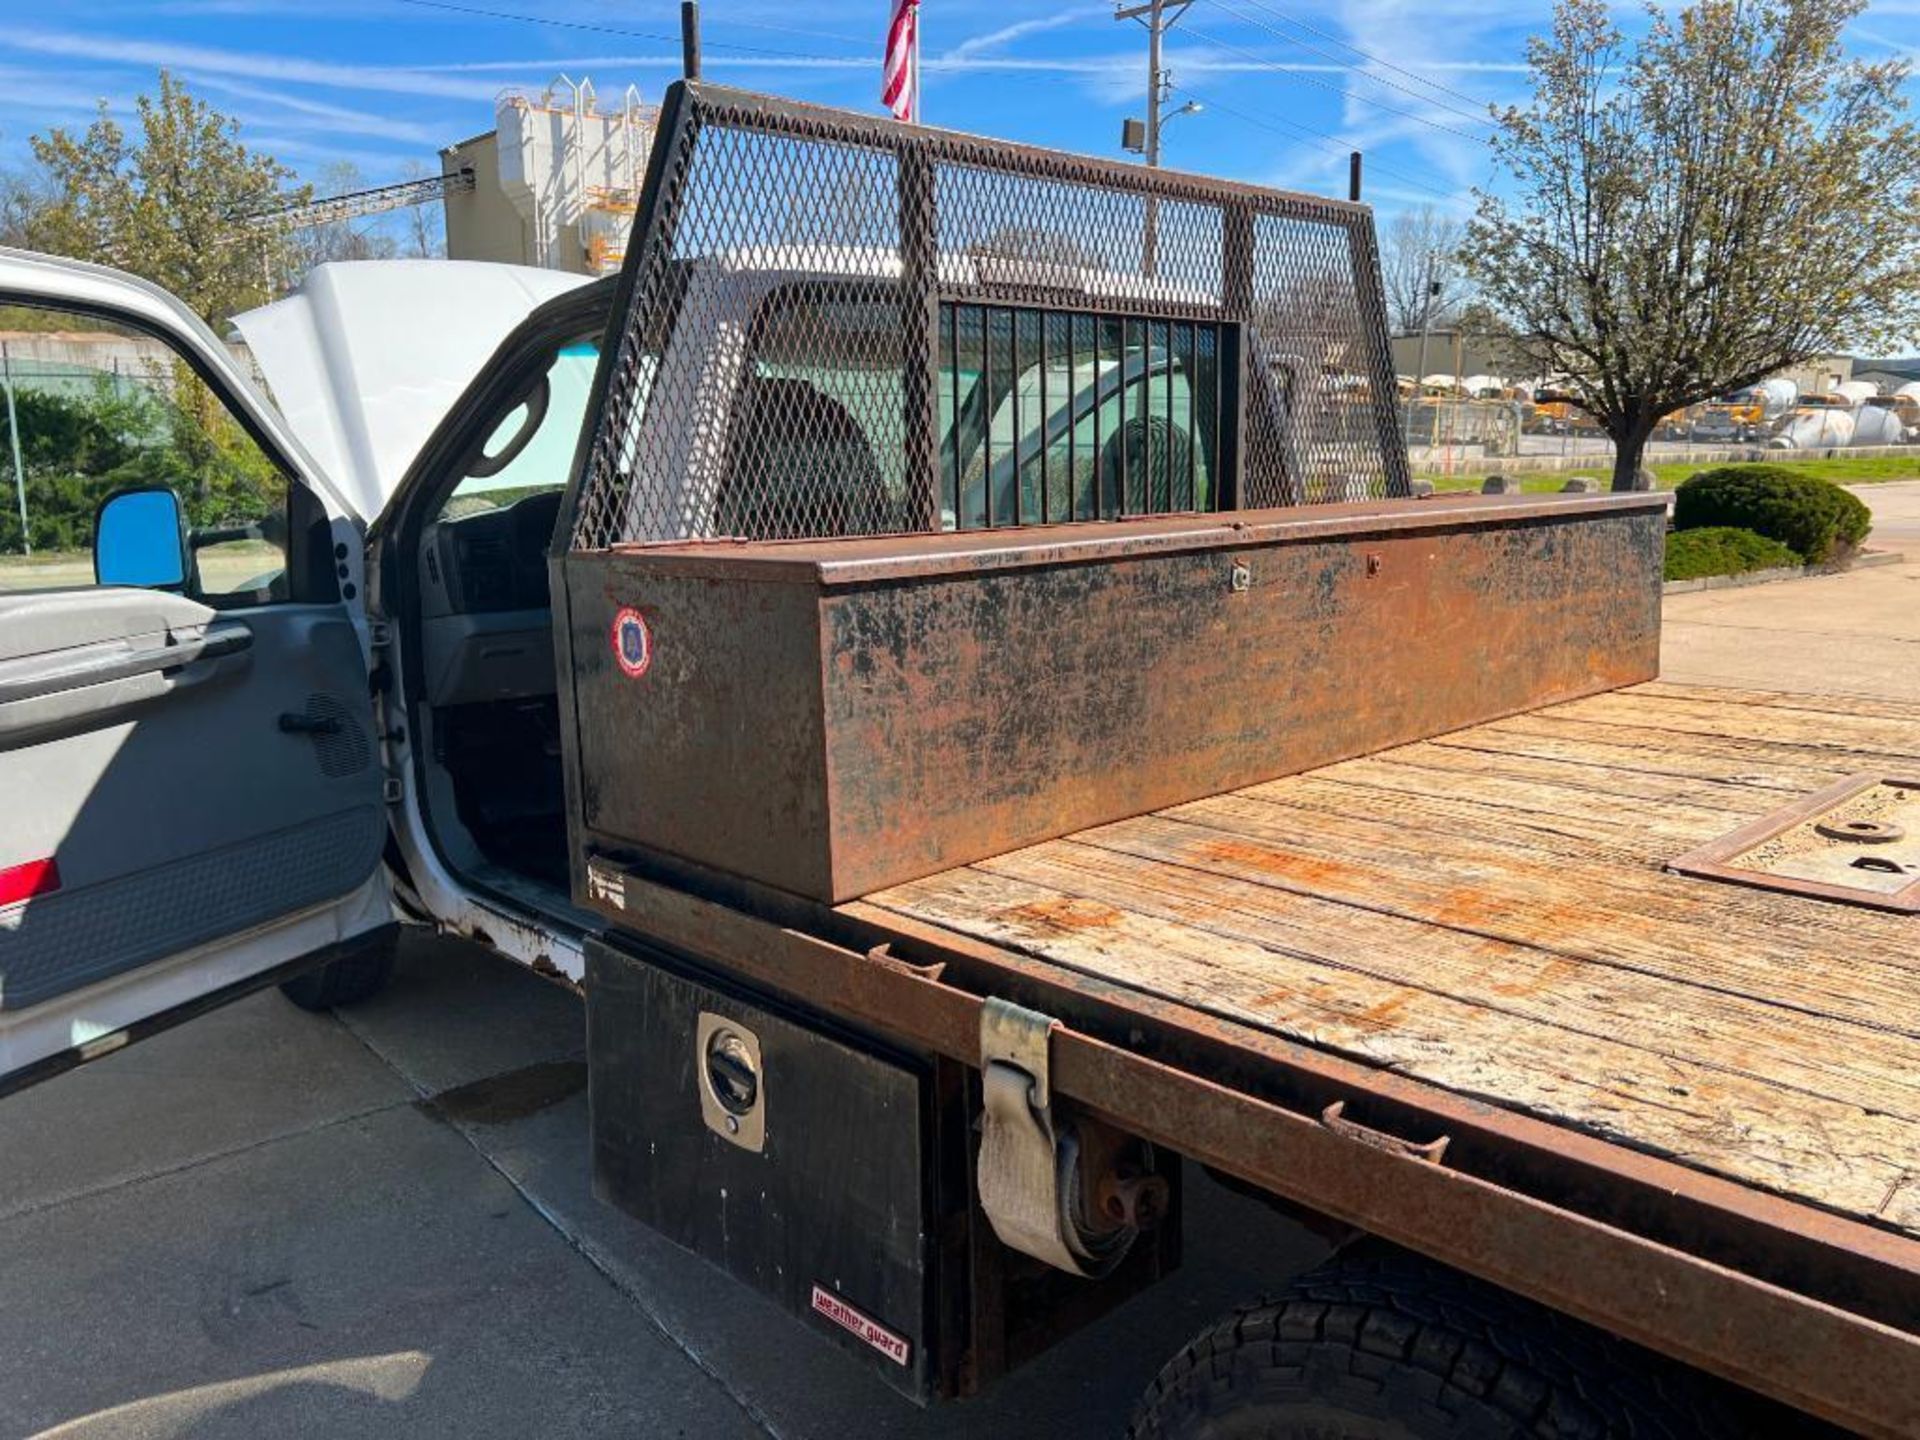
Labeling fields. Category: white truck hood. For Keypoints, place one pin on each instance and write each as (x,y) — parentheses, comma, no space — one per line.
(367,356)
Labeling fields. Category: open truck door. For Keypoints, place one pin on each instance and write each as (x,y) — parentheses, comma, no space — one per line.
(192,777)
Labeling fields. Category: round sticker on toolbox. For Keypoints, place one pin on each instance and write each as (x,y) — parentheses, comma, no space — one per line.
(632,642)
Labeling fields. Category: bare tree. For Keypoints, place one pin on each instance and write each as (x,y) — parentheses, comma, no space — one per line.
(1420,267)
(23,194)
(426,234)
(355,238)
(1692,212)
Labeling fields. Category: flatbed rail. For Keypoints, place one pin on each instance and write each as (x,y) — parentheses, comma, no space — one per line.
(1778,1293)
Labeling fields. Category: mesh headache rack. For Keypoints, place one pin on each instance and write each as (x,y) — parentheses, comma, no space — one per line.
(830,324)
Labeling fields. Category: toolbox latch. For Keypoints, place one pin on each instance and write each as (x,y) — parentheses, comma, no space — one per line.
(1029,1169)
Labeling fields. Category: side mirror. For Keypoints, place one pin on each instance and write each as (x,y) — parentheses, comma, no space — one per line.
(140,539)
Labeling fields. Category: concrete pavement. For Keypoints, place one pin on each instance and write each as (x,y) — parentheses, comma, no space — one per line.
(1851,634)
(275,1223)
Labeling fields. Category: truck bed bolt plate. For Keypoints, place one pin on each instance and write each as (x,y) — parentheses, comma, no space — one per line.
(1857,842)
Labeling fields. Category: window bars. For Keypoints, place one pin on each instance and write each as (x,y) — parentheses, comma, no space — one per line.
(830,324)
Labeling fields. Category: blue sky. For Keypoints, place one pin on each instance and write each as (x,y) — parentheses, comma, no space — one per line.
(1287,86)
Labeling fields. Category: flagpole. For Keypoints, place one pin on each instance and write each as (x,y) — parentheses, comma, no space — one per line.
(914,110)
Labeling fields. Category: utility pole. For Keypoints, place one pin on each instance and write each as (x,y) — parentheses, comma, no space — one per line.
(1159,17)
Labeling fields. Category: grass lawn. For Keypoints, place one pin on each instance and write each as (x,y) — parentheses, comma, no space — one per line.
(222,567)
(1867,470)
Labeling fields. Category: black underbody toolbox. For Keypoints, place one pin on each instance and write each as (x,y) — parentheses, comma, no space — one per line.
(830,1215)
(826,1169)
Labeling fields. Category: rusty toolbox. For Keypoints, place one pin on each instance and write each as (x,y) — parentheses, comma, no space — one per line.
(831,717)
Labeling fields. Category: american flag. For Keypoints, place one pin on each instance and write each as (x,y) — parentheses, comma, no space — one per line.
(900,74)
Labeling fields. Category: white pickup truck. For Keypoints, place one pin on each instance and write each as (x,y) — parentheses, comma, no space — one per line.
(913,685)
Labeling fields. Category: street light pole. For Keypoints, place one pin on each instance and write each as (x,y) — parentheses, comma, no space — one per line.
(1427,292)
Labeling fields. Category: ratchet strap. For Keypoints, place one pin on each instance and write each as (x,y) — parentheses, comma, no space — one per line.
(1029,1166)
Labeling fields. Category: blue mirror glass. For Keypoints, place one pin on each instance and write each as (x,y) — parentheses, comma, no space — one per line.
(139,541)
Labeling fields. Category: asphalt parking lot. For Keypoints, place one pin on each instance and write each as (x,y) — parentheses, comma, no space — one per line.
(276,1223)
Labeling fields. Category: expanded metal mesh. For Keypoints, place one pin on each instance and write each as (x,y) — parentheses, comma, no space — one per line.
(833,325)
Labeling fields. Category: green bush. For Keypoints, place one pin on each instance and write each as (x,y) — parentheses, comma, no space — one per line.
(1817,520)
(76,448)
(1723,550)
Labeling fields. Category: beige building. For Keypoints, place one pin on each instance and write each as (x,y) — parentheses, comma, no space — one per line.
(482,223)
(556,181)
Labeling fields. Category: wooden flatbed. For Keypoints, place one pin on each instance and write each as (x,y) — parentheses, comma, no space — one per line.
(1489,912)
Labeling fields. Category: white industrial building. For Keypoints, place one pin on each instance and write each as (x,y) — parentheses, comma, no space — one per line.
(555,182)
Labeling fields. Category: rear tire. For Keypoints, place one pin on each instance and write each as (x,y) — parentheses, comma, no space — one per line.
(358,975)
(1382,1345)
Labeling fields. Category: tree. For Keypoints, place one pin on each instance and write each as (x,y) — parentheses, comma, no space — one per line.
(348,239)
(176,203)
(1725,198)
(1421,248)
(22,196)
(426,224)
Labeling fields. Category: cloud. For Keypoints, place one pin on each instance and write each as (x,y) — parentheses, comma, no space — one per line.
(248,65)
(1006,34)
(379,167)
(331,119)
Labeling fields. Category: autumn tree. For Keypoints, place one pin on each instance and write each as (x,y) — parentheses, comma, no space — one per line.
(1420,268)
(1691,211)
(176,202)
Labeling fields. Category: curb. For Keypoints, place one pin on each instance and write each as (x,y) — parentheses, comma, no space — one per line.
(1866,560)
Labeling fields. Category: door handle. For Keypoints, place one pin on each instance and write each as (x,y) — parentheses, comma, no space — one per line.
(213,643)
(293,722)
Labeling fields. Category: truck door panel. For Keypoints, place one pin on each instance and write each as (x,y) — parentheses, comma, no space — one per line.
(154,807)
(191,786)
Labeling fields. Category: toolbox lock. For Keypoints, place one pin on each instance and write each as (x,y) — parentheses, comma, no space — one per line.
(732,1092)
(1031,1168)
(732,1073)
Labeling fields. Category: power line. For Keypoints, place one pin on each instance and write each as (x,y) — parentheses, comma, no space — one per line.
(1336,89)
(1366,54)
(1438,104)
(1321,138)
(548,20)
(797,30)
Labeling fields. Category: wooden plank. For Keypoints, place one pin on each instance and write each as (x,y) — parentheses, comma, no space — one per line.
(1633,836)
(1781,699)
(1820,1055)
(1832,1154)
(1473,889)
(1651,752)
(1617,781)
(1821,731)
(1350,820)
(1557,808)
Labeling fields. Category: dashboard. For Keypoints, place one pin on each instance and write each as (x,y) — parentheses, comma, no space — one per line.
(486,615)
(492,560)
